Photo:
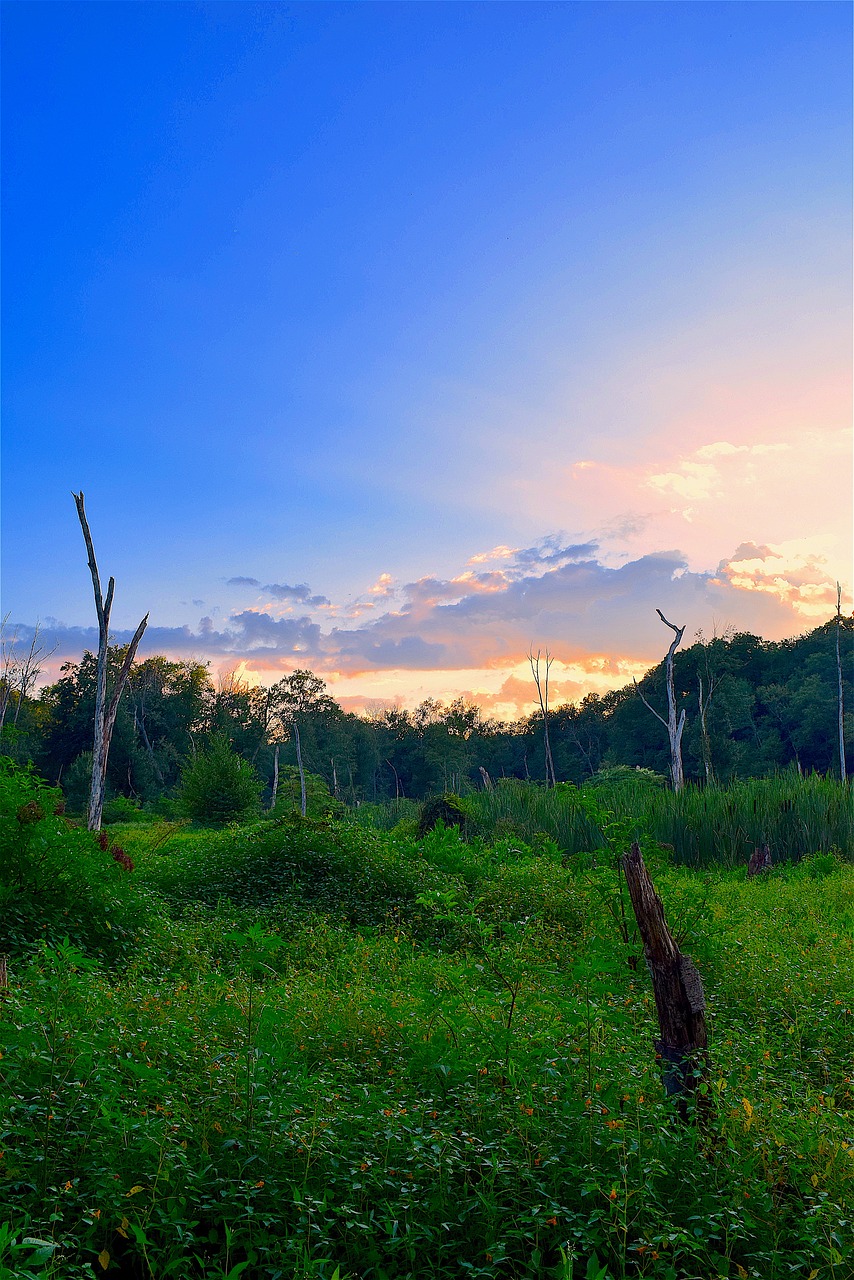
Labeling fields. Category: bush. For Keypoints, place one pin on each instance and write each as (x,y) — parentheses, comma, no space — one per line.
(448,809)
(57,881)
(218,786)
(319,803)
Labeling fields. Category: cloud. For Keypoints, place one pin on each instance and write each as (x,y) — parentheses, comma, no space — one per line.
(473,631)
(795,573)
(299,594)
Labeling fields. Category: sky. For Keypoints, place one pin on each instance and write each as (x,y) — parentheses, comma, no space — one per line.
(397,340)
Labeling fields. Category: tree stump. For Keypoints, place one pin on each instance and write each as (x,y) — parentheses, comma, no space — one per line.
(760,860)
(676,984)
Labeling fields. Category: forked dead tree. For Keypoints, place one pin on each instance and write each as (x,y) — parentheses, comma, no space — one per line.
(105,713)
(673,724)
(676,984)
(541,680)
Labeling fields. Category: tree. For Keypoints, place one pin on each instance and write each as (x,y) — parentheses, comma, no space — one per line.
(218,785)
(675,727)
(542,683)
(105,714)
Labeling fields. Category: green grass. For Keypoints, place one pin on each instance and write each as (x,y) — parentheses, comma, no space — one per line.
(336,1051)
(704,826)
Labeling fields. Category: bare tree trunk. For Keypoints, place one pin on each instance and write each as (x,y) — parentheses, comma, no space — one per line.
(275,777)
(842,770)
(542,683)
(704,731)
(105,713)
(398,789)
(301,771)
(334,779)
(674,726)
(676,984)
(487,781)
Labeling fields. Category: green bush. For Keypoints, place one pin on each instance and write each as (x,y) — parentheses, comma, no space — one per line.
(319,803)
(58,881)
(218,786)
(449,809)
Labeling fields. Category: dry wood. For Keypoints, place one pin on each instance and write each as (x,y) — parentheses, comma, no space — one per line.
(301,771)
(760,860)
(673,724)
(105,713)
(676,984)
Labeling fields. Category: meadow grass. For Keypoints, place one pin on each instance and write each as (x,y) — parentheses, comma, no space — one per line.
(336,1052)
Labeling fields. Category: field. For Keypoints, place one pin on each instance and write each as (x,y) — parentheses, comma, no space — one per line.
(315,1048)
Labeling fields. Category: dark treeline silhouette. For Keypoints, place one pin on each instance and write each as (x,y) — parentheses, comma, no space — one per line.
(765,706)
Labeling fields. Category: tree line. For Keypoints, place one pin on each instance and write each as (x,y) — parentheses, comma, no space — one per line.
(751,707)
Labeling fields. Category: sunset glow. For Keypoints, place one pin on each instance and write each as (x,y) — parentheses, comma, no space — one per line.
(394,341)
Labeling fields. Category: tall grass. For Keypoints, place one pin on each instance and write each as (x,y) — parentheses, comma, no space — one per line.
(795,816)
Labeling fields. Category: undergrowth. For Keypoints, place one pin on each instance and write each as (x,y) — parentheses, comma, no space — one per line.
(327,1051)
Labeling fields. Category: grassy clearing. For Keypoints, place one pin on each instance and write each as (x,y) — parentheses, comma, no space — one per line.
(320,1049)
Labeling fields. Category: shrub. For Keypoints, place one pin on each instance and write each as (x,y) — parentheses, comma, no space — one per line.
(218,786)
(57,881)
(319,803)
(448,809)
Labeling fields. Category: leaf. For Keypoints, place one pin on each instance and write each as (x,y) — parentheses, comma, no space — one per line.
(104,1259)
(133,1191)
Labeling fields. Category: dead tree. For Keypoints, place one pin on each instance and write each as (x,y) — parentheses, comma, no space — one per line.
(842,771)
(105,713)
(673,724)
(676,984)
(275,794)
(542,683)
(705,701)
(18,676)
(301,770)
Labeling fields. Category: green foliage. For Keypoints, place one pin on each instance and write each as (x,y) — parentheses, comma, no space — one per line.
(122,809)
(702,826)
(77,782)
(447,809)
(340,1052)
(218,786)
(57,881)
(318,801)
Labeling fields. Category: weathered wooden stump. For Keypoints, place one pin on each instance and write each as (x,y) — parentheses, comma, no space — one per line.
(676,984)
(760,860)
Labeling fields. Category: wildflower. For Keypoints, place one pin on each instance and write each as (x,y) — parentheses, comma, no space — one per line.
(613,1194)
(551,1222)
(67,1186)
(654,1255)
(260,1182)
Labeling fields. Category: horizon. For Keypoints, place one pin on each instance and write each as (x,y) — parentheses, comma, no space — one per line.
(394,341)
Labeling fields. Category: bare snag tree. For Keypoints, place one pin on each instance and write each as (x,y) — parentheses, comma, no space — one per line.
(674,725)
(683,1046)
(541,680)
(105,712)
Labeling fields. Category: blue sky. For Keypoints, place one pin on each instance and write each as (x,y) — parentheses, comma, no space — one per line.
(352,297)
